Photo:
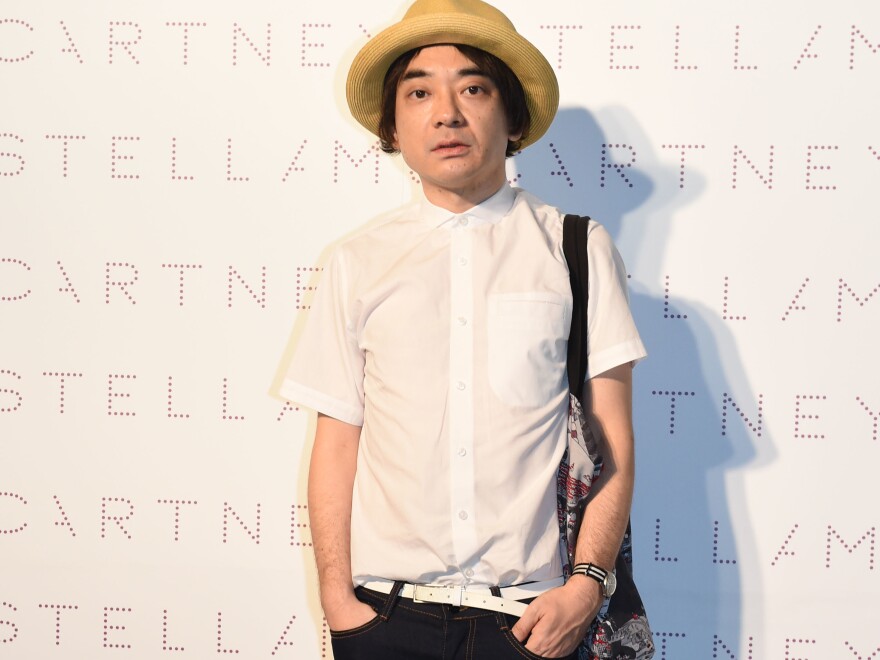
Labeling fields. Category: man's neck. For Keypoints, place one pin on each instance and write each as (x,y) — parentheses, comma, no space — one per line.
(459,201)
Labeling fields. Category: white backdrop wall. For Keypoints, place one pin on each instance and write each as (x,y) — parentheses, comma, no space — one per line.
(171,174)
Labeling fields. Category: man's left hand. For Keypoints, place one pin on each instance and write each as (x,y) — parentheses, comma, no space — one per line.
(556,621)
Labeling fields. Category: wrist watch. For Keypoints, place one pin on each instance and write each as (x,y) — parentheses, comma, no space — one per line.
(600,575)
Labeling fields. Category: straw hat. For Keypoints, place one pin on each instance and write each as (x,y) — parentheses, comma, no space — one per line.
(469,22)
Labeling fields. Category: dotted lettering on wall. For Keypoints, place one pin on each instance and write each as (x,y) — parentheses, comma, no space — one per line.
(725,314)
(766,180)
(664,636)
(71,48)
(174,175)
(177,504)
(122,285)
(798,416)
(106,518)
(306,44)
(806,54)
(15,393)
(736,63)
(255,536)
(58,609)
(118,626)
(287,407)
(715,557)
(282,641)
(126,45)
(719,645)
(224,405)
(790,641)
(233,273)
(676,61)
(325,635)
(29,28)
(794,306)
(755,428)
(841,286)
(870,536)
(65,521)
(165,645)
(229,176)
(561,172)
(875,152)
(265,58)
(62,377)
(220,648)
(23,525)
(302,525)
(813,168)
(783,550)
(113,394)
(858,654)
(116,156)
(672,398)
(293,167)
(13,627)
(682,149)
(171,414)
(657,555)
(65,140)
(856,32)
(69,288)
(374,149)
(8,154)
(302,273)
(27,292)
(616,46)
(181,270)
(667,313)
(186,27)
(606,163)
(560,34)
(875,417)
(416,180)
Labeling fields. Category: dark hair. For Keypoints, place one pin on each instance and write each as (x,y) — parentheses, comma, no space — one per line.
(509,88)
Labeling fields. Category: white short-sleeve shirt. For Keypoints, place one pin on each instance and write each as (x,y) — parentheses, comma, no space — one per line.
(445,336)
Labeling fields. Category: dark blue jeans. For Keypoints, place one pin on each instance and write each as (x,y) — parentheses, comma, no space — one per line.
(405,630)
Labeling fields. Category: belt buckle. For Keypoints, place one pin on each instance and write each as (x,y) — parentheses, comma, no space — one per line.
(447,594)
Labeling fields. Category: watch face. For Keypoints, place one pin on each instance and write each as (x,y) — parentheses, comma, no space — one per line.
(610,584)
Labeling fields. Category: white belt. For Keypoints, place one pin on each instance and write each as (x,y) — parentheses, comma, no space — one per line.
(471,595)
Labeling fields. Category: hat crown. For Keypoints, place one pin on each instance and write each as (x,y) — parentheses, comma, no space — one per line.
(467,8)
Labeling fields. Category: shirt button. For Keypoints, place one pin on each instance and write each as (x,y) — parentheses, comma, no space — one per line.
(460,385)
(469,572)
(462,261)
(462,320)
(463,222)
(462,515)
(462,452)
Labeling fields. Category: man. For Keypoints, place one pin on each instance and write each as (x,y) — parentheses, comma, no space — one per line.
(435,356)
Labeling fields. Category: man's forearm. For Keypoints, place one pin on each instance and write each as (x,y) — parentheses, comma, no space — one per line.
(608,508)
(331,480)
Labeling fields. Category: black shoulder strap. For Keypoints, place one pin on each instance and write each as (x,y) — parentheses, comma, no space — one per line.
(574,247)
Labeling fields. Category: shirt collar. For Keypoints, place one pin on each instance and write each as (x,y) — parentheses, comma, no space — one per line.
(490,210)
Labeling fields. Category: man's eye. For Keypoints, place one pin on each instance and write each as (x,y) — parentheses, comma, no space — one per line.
(419,93)
(474,89)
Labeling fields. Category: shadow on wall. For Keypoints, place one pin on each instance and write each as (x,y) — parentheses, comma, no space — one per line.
(689,490)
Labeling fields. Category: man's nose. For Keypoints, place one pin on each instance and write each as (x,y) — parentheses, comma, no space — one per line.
(447,110)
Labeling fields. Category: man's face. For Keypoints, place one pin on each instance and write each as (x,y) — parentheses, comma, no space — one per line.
(451,128)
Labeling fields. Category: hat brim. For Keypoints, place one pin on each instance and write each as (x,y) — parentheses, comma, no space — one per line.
(366,77)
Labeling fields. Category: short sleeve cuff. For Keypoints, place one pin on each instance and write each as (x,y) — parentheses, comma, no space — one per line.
(629,351)
(322,403)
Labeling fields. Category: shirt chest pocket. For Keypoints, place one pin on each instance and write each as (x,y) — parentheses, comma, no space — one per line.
(527,342)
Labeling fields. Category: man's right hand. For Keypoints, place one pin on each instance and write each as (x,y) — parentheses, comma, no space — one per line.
(348,615)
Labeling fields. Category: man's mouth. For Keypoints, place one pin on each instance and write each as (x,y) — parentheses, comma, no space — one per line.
(450,146)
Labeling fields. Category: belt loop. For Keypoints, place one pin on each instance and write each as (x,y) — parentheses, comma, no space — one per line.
(500,617)
(392,600)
